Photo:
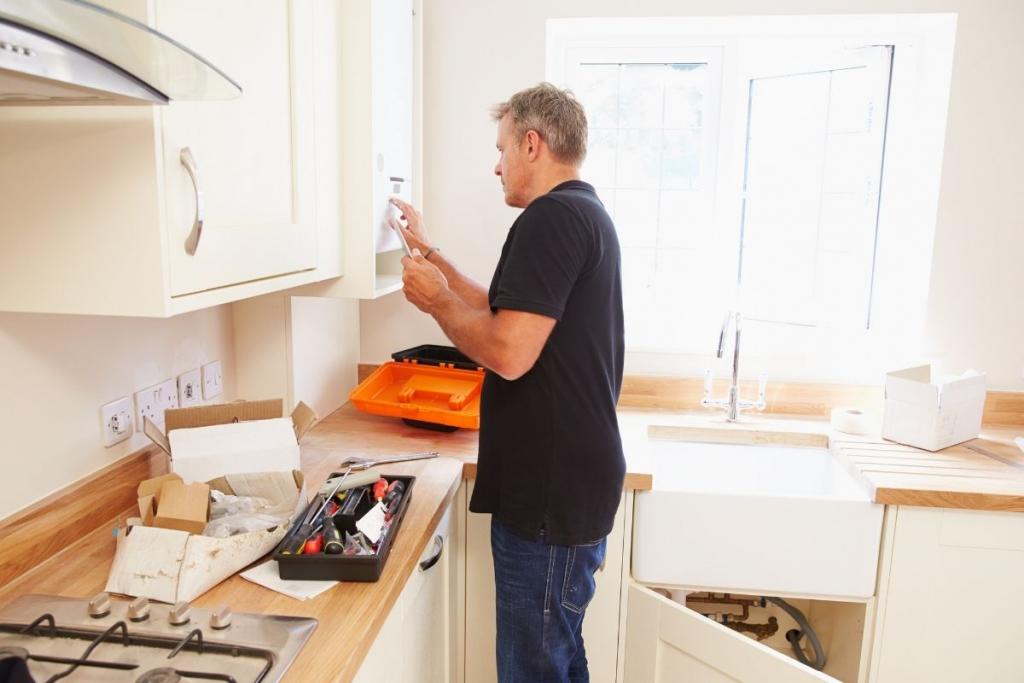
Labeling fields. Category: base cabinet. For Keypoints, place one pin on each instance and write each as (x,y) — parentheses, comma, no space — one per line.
(600,626)
(950,598)
(413,646)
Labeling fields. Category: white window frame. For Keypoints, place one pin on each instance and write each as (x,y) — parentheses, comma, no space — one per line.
(921,74)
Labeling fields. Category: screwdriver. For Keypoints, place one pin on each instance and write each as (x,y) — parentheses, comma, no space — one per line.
(295,544)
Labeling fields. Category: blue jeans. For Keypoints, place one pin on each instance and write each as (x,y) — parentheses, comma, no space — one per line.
(542,592)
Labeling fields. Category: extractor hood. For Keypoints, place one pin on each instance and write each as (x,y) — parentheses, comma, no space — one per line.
(72,52)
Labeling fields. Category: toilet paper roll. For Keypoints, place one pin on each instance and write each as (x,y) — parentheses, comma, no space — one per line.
(849,421)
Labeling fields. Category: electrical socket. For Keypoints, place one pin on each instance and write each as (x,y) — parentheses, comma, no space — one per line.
(116,420)
(213,380)
(152,401)
(190,391)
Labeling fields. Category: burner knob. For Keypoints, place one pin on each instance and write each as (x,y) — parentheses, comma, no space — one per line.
(99,606)
(180,613)
(138,609)
(221,618)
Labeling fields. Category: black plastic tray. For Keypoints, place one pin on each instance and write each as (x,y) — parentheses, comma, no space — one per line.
(324,567)
(432,354)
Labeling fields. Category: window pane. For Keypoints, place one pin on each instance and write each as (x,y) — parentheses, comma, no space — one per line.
(641,95)
(639,159)
(598,91)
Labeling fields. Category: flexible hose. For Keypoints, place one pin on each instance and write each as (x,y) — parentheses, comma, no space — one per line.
(794,637)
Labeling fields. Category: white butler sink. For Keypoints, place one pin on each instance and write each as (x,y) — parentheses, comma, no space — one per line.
(762,520)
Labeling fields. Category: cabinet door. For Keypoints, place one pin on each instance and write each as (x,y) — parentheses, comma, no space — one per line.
(666,642)
(600,625)
(428,619)
(950,601)
(254,155)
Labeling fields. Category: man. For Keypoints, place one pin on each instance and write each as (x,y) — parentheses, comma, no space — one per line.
(550,333)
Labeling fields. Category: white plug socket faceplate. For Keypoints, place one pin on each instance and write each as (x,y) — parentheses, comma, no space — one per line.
(190,391)
(213,380)
(152,401)
(116,421)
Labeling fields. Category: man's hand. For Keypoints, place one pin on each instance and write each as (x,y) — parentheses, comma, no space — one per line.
(415,230)
(423,284)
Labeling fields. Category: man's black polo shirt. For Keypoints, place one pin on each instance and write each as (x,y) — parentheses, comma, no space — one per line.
(550,461)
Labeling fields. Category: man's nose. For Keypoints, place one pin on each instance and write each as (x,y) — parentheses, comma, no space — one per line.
(497,169)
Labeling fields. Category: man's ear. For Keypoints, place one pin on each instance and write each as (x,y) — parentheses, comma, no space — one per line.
(532,140)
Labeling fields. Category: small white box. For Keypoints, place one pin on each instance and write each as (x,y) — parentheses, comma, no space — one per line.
(930,414)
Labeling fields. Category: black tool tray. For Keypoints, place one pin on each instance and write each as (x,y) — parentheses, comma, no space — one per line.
(324,567)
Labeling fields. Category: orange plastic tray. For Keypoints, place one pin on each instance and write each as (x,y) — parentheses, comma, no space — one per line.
(428,393)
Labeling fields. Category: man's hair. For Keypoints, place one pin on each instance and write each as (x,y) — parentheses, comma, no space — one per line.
(555,114)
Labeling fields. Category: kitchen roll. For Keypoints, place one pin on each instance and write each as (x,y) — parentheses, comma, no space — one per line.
(849,421)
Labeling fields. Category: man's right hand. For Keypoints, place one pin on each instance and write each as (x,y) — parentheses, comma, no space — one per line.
(415,230)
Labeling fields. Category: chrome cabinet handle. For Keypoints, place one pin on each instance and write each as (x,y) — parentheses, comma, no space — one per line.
(189,162)
(431,561)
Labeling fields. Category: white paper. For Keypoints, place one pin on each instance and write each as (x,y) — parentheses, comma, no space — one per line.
(372,522)
(268,575)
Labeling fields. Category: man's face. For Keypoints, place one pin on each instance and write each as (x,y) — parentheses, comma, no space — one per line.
(512,166)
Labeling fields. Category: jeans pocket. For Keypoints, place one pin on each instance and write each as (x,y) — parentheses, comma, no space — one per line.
(579,585)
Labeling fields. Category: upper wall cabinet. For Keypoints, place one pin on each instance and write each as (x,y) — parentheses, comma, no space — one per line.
(153,211)
(379,47)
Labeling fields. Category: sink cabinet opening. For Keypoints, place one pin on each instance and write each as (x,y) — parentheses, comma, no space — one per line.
(839,626)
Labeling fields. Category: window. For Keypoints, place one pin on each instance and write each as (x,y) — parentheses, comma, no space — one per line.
(763,164)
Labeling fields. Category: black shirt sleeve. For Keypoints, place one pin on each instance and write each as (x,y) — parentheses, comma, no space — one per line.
(546,255)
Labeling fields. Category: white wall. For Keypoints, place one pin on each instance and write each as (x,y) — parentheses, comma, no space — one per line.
(58,370)
(478,52)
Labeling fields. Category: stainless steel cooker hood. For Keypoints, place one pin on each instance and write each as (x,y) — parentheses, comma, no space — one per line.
(72,52)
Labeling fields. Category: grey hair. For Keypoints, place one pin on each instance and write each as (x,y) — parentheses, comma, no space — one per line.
(555,114)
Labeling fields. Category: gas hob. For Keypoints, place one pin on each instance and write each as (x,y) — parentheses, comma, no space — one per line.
(51,638)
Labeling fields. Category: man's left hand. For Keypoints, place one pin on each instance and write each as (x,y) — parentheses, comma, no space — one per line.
(423,284)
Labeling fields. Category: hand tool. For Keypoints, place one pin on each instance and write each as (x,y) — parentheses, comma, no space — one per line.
(358,464)
(333,545)
(380,489)
(314,545)
(297,541)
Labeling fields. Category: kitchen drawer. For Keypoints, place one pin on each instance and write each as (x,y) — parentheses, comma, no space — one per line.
(667,641)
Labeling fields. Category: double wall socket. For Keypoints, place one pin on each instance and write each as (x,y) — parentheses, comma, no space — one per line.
(152,401)
(190,392)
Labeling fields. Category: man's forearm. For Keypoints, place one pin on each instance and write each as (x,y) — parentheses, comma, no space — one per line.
(469,290)
(473,330)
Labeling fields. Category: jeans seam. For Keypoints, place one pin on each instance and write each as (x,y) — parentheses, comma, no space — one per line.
(570,560)
(547,583)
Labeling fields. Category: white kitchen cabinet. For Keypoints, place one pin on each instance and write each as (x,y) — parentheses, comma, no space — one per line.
(667,641)
(949,597)
(600,625)
(98,202)
(414,645)
(379,65)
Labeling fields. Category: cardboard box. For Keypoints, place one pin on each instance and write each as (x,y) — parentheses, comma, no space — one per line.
(182,506)
(170,565)
(931,414)
(204,442)
(149,495)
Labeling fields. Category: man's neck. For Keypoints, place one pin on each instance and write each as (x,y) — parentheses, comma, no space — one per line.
(552,178)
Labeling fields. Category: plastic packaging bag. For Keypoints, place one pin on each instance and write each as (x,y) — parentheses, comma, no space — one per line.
(230,515)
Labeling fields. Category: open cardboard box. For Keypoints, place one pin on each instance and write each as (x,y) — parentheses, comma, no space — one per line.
(171,565)
(932,413)
(245,448)
(204,442)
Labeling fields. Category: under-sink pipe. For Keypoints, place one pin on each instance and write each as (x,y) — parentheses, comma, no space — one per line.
(794,636)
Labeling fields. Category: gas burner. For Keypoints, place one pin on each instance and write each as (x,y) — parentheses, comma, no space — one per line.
(104,640)
(13,652)
(162,675)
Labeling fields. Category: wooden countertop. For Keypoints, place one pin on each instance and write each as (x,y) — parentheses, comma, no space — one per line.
(350,614)
(986,473)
